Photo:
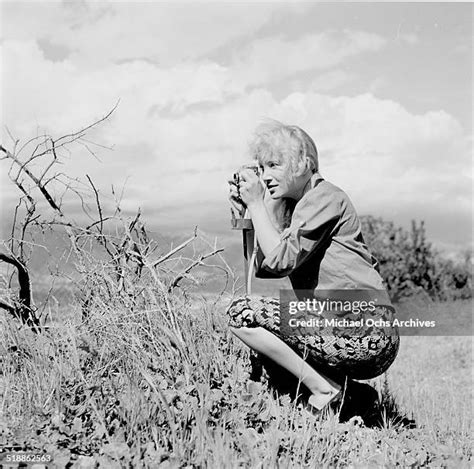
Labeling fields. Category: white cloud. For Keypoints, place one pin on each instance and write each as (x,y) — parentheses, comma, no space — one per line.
(368,145)
(385,168)
(98,33)
(274,58)
(409,38)
(184,119)
(65,94)
(376,146)
(328,81)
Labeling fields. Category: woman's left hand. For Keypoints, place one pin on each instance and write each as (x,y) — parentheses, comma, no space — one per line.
(250,187)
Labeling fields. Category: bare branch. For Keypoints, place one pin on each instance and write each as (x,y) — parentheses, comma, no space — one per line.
(52,162)
(31,140)
(18,205)
(14,140)
(101,221)
(175,250)
(105,147)
(43,190)
(197,262)
(11,309)
(25,309)
(76,135)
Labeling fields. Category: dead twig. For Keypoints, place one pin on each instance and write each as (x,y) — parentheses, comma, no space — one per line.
(176,249)
(186,271)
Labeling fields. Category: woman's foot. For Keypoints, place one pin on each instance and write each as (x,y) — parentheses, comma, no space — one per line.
(318,401)
(355,401)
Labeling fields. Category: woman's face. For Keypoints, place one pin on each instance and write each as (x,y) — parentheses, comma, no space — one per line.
(278,178)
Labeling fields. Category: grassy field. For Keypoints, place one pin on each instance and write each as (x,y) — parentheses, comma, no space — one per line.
(163,384)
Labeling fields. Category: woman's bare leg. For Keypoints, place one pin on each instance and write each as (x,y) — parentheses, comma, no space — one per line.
(259,339)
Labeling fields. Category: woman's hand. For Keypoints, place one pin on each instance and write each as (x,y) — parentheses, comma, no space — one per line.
(250,193)
(251,190)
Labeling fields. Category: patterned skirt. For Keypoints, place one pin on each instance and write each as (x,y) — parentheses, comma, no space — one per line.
(363,354)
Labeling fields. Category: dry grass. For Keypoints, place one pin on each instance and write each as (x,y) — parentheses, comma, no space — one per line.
(122,389)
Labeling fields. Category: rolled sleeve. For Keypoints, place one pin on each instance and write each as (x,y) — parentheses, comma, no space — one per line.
(312,225)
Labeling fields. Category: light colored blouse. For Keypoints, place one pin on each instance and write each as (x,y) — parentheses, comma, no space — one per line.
(323,248)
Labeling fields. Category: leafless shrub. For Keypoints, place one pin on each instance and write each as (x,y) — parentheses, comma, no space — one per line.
(115,257)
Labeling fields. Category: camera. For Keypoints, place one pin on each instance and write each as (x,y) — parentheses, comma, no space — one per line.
(253,166)
(243,222)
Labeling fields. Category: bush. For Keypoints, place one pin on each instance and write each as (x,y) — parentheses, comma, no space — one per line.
(409,263)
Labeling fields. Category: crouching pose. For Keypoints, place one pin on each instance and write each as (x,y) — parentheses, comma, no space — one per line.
(308,230)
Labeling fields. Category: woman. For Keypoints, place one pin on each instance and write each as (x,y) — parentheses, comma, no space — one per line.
(308,230)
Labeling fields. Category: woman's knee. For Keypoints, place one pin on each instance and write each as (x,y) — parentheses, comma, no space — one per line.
(254,310)
(240,313)
(244,333)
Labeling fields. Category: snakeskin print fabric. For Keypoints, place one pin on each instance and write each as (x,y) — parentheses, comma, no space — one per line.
(362,354)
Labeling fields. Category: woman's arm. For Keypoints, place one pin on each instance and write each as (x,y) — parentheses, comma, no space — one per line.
(313,221)
(267,235)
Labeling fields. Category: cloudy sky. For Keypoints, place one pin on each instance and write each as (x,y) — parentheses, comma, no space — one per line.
(384,89)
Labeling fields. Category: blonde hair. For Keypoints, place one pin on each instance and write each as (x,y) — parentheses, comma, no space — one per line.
(288,143)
